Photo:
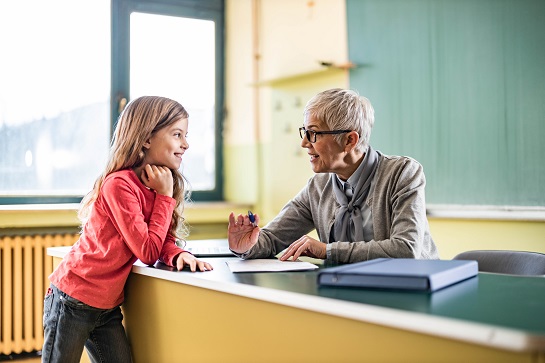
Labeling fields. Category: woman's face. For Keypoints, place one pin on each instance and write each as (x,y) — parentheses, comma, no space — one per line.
(326,155)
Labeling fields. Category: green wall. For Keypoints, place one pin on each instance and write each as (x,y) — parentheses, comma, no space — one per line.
(460,86)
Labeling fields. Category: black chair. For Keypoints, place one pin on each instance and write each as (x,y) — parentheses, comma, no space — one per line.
(507,262)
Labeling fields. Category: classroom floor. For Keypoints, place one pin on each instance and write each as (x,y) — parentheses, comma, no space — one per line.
(22,358)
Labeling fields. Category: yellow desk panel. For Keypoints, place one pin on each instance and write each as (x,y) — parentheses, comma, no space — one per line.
(172,322)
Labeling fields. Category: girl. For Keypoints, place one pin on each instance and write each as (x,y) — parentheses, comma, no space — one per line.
(133,212)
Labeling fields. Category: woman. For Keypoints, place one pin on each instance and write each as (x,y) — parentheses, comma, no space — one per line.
(363,204)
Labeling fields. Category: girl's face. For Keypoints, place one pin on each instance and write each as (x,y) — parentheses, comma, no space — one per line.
(326,155)
(167,146)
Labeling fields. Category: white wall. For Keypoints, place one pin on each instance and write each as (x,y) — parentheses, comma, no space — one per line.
(273,54)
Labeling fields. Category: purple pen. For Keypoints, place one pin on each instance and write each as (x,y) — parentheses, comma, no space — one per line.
(252,218)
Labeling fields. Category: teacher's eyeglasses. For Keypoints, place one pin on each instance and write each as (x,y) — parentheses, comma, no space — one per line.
(311,134)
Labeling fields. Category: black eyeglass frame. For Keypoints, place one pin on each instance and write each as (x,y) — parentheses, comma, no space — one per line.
(304,132)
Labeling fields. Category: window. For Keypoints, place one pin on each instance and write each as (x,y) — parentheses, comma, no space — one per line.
(174,48)
(54,98)
(70,63)
(185,73)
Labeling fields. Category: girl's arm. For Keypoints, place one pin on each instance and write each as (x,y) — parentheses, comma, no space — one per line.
(170,251)
(125,209)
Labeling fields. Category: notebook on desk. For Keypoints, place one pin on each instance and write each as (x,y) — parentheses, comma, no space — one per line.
(208,248)
(399,273)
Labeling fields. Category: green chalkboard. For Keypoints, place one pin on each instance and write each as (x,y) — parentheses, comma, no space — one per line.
(458,85)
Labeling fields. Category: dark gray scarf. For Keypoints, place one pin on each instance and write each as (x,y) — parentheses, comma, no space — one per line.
(348,225)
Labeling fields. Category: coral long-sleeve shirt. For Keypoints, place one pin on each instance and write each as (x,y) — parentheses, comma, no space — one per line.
(128,222)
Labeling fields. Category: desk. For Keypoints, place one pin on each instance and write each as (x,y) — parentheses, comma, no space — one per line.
(219,316)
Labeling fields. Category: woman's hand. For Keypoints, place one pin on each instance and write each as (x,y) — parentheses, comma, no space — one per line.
(305,246)
(187,259)
(241,233)
(158,178)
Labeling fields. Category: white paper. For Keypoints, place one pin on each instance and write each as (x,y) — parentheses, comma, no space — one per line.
(268,265)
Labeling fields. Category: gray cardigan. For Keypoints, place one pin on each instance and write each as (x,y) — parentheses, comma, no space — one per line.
(399,217)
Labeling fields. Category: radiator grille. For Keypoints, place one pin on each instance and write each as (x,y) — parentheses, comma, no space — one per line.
(24,272)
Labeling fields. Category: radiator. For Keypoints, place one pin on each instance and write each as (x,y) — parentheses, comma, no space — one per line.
(24,272)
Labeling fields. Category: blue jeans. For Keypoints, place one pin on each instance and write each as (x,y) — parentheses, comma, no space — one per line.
(69,325)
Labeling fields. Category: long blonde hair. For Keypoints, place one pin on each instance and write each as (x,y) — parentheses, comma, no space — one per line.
(142,117)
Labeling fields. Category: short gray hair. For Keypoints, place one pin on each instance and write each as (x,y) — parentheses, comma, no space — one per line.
(342,109)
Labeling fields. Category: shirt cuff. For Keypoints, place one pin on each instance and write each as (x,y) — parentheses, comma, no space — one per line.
(328,251)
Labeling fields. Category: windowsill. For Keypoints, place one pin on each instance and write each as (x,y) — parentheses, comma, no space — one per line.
(38,215)
(65,215)
(486,212)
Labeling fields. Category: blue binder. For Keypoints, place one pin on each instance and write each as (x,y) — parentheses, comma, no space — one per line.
(399,273)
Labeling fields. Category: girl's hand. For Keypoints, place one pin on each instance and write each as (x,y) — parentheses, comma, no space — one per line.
(187,259)
(241,233)
(158,178)
(305,246)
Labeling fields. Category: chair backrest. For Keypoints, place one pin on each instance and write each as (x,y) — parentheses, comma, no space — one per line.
(507,262)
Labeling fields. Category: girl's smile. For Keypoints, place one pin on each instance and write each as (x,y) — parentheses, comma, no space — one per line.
(167,146)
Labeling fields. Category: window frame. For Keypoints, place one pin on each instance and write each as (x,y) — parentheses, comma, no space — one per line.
(198,9)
